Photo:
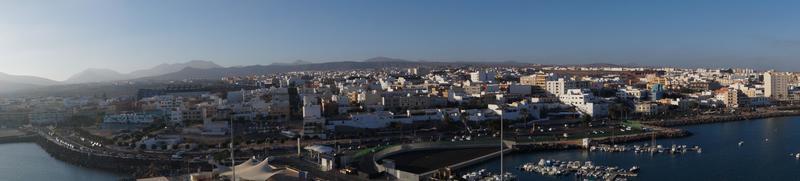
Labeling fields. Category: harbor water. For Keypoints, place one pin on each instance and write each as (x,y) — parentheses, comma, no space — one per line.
(763,155)
(28,161)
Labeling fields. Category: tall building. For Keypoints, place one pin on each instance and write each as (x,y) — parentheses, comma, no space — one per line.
(560,86)
(732,98)
(535,80)
(313,122)
(482,76)
(776,85)
(538,81)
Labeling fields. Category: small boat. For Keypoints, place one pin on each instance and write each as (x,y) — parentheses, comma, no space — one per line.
(797,155)
(634,169)
(741,143)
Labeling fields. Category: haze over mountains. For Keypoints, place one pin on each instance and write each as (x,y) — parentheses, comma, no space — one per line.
(103,75)
(11,83)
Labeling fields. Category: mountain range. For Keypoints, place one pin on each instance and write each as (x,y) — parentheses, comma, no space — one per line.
(12,83)
(197,70)
(104,75)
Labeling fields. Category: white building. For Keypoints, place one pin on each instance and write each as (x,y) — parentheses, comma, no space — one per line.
(585,102)
(164,103)
(313,122)
(482,76)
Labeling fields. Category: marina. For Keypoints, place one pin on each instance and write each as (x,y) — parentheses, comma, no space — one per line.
(483,175)
(722,158)
(579,169)
(647,148)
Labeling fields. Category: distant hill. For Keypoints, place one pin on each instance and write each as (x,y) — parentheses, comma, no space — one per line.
(170,68)
(26,79)
(99,86)
(11,83)
(296,62)
(385,59)
(96,75)
(105,75)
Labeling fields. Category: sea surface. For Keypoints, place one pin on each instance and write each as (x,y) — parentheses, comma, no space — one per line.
(28,161)
(764,155)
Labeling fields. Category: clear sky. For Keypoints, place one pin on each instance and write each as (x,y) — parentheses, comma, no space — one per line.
(55,39)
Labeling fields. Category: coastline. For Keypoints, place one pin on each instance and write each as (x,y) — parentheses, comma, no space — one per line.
(721,118)
(128,168)
(136,168)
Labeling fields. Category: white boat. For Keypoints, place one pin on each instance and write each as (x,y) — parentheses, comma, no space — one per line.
(741,143)
(634,169)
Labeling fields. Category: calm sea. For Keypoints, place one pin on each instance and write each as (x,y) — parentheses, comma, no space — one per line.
(722,158)
(28,161)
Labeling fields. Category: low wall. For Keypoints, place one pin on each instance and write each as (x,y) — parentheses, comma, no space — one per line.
(721,118)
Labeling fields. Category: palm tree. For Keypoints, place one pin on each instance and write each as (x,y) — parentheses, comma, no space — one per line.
(524,113)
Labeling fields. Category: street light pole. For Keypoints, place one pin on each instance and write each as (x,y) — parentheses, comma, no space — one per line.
(501,147)
(233,162)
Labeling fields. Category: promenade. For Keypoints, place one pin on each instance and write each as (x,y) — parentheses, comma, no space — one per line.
(704,119)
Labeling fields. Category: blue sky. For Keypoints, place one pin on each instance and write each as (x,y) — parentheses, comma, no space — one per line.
(55,39)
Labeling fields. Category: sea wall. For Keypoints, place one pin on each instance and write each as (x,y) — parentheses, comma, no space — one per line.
(721,118)
(550,146)
(673,133)
(128,166)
